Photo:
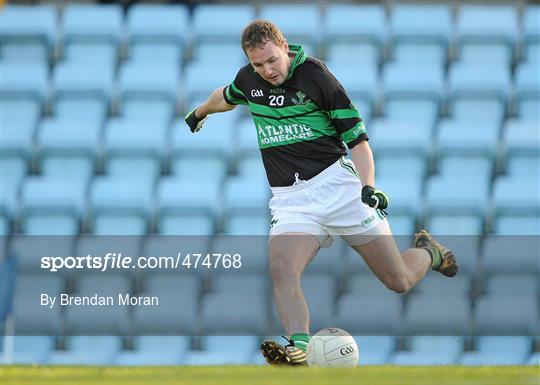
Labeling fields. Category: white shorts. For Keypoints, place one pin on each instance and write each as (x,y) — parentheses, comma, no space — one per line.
(327,205)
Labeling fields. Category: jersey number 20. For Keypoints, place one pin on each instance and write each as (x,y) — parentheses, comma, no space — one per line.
(276,101)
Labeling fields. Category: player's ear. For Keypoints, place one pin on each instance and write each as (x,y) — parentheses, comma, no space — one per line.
(286,46)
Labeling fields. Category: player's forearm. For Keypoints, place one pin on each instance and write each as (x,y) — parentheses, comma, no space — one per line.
(363,161)
(215,103)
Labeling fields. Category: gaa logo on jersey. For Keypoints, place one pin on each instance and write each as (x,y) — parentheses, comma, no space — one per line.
(257,93)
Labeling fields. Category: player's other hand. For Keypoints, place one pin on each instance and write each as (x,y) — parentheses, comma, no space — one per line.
(374,198)
(195,123)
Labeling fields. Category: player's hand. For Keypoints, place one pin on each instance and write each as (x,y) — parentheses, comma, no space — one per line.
(195,123)
(374,198)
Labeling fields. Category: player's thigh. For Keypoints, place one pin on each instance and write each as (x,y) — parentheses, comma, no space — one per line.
(383,258)
(291,252)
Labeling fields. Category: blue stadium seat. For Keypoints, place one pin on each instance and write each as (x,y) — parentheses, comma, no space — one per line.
(375,350)
(69,136)
(512,284)
(120,208)
(92,110)
(77,169)
(433,56)
(245,194)
(473,166)
(495,350)
(82,80)
(158,23)
(155,350)
(134,169)
(421,23)
(149,110)
(157,54)
(142,81)
(92,23)
(220,22)
(507,314)
(431,350)
(403,225)
(517,225)
(388,136)
(88,350)
(29,24)
(53,198)
(207,52)
(521,139)
(177,313)
(480,111)
(496,55)
(203,77)
(358,83)
(300,23)
(248,224)
(406,80)
(177,196)
(215,139)
(14,169)
(103,55)
(527,87)
(193,166)
(24,80)
(505,187)
(19,120)
(531,35)
(487,23)
(511,254)
(405,197)
(436,314)
(251,165)
(224,350)
(482,138)
(473,81)
(134,137)
(354,52)
(30,53)
(341,23)
(28,250)
(389,166)
(30,350)
(421,112)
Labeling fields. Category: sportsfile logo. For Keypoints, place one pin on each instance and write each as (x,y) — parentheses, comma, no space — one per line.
(257,93)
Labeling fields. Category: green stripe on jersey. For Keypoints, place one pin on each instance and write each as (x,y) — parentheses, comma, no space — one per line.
(237,90)
(353,133)
(344,113)
(233,99)
(283,112)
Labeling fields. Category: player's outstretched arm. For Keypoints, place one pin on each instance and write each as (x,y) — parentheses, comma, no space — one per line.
(363,161)
(215,103)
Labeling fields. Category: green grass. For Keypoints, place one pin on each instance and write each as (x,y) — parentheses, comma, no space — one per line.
(253,375)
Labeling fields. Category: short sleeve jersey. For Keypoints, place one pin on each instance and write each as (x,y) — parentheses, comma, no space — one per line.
(303,124)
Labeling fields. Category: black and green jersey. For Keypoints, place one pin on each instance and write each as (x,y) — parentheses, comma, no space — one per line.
(302,124)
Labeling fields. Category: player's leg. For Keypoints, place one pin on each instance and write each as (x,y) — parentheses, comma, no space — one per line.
(289,254)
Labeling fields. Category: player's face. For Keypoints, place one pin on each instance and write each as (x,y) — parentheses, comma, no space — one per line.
(271,62)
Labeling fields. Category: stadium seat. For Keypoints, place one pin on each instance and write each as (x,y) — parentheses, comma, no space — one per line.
(28,250)
(78,169)
(30,53)
(421,112)
(155,350)
(480,111)
(220,22)
(134,169)
(527,85)
(30,350)
(430,350)
(158,23)
(517,225)
(86,110)
(341,23)
(138,80)
(375,350)
(23,24)
(245,194)
(300,23)
(521,138)
(504,186)
(149,111)
(511,254)
(91,23)
(496,55)
(487,23)
(405,198)
(473,81)
(355,52)
(495,350)
(69,136)
(19,120)
(118,207)
(473,166)
(14,169)
(393,166)
(203,77)
(482,138)
(362,84)
(88,350)
(207,52)
(512,284)
(431,54)
(102,55)
(247,224)
(531,35)
(445,195)
(177,313)
(389,136)
(405,80)
(223,350)
(24,80)
(195,166)
(157,54)
(437,314)
(81,80)
(421,24)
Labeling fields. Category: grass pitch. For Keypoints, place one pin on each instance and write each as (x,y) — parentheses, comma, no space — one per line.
(255,375)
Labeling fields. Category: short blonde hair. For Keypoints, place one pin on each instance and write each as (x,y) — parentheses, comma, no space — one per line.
(259,32)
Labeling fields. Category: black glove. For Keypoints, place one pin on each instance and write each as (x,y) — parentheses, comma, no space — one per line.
(375,198)
(194,123)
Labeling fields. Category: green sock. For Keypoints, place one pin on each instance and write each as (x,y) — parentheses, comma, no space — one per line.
(301,340)
(436,257)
